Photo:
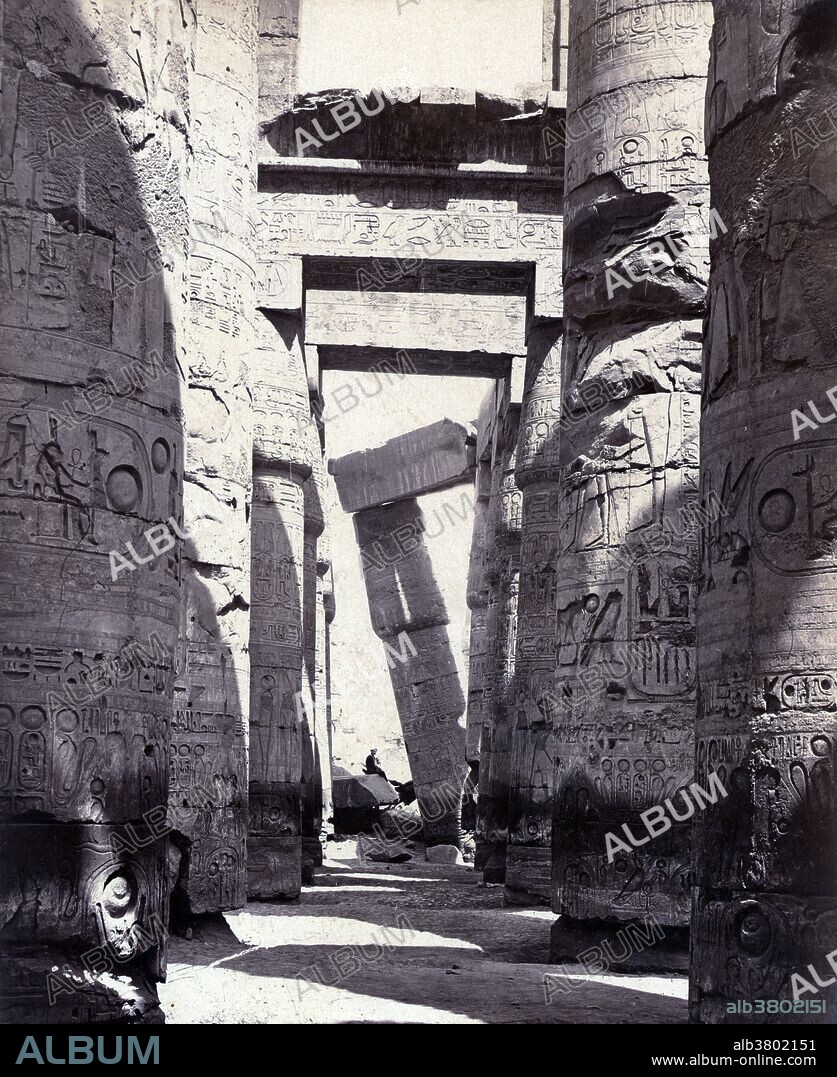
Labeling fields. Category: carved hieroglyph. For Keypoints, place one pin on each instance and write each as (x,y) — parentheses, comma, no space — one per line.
(412,219)
(283,448)
(636,231)
(495,324)
(503,578)
(765,903)
(208,779)
(528,856)
(409,614)
(92,457)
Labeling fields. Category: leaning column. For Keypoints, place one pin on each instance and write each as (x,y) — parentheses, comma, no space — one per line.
(636,221)
(765,905)
(409,614)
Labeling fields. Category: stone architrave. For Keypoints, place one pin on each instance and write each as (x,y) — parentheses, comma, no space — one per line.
(92,461)
(503,578)
(482,218)
(529,856)
(409,614)
(495,324)
(208,779)
(283,455)
(636,266)
(765,901)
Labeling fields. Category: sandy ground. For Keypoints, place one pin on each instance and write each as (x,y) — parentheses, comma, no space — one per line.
(410,942)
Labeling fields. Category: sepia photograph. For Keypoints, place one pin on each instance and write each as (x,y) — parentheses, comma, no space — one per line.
(418,543)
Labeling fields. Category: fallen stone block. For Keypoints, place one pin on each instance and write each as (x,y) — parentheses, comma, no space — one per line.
(443,854)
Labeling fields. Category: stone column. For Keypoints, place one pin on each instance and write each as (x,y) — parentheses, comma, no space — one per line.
(408,613)
(322,690)
(529,856)
(282,458)
(503,576)
(93,237)
(208,780)
(636,239)
(477,599)
(765,905)
(312,786)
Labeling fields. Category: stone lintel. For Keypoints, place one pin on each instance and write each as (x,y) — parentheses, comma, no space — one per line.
(495,324)
(389,362)
(431,458)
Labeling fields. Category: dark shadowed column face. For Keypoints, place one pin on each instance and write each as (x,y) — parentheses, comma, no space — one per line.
(765,914)
(277,702)
(91,474)
(503,578)
(208,787)
(528,858)
(285,448)
(477,597)
(637,226)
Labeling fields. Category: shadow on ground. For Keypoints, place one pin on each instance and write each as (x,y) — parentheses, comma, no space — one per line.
(410,942)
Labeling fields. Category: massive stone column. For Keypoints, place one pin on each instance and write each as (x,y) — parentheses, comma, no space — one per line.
(765,904)
(93,238)
(208,781)
(503,578)
(282,461)
(409,614)
(529,856)
(477,598)
(636,238)
(312,728)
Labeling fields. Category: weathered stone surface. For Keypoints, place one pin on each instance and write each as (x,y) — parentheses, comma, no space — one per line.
(443,854)
(628,453)
(528,856)
(411,219)
(278,57)
(284,451)
(503,578)
(477,598)
(432,458)
(766,886)
(316,770)
(452,125)
(279,284)
(92,458)
(495,324)
(208,779)
(389,364)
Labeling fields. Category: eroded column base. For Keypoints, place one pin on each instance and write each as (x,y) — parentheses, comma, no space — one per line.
(494,863)
(610,946)
(769,947)
(274,868)
(312,858)
(528,875)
